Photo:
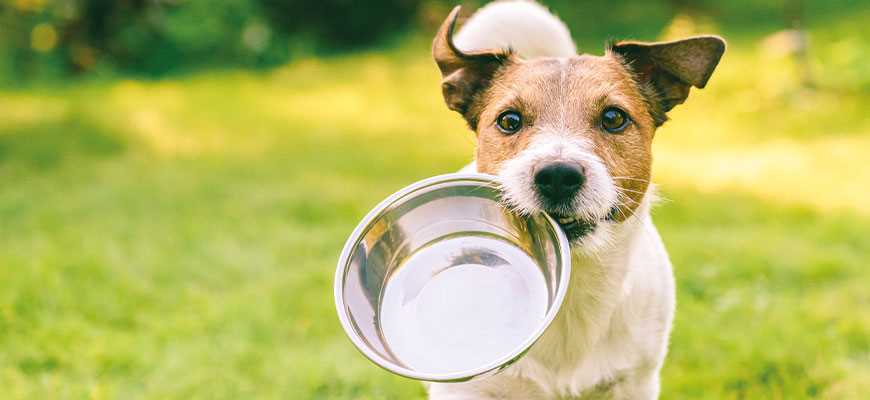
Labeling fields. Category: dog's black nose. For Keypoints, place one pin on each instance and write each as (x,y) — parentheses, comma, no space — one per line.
(559,182)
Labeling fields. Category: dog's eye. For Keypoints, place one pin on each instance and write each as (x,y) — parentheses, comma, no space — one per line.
(614,120)
(509,122)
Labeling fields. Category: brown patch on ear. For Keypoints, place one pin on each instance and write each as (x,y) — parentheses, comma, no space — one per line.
(464,74)
(671,68)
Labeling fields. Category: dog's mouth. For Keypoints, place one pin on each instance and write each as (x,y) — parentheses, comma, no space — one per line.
(576,227)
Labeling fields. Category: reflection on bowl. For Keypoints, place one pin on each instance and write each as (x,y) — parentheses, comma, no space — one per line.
(441,283)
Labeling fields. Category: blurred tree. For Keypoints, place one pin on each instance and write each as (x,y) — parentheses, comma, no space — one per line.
(41,37)
(794,16)
(341,23)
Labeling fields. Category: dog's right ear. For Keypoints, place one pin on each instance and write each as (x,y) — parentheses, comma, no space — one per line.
(464,74)
(670,69)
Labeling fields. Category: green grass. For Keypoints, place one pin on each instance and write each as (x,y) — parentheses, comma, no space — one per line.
(177,238)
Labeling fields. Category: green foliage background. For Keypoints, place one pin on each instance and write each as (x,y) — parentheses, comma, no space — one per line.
(172,232)
(160,37)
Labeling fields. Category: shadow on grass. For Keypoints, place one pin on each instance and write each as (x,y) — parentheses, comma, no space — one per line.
(770,302)
(229,256)
(766,295)
(47,144)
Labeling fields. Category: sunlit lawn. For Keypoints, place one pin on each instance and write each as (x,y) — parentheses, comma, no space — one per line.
(177,238)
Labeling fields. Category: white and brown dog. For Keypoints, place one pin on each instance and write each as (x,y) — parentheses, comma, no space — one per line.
(571,135)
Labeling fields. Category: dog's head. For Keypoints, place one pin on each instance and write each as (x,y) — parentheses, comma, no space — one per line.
(572,136)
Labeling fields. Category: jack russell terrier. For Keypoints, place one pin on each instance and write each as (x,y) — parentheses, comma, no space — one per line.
(570,134)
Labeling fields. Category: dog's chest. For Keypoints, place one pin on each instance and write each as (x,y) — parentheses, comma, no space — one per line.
(582,372)
(592,343)
(576,359)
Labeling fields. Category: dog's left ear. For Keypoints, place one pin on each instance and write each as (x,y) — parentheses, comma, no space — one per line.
(671,68)
(464,74)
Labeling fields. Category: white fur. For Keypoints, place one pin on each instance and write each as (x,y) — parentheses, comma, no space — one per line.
(593,203)
(525,27)
(611,334)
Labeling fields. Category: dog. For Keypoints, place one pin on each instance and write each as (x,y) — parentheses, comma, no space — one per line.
(570,134)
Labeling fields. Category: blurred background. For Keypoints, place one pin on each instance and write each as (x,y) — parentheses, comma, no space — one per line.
(177,178)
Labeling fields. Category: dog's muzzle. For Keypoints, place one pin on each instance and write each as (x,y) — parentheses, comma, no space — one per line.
(557,186)
(558,183)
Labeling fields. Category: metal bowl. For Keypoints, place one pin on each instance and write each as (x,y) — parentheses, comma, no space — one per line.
(441,283)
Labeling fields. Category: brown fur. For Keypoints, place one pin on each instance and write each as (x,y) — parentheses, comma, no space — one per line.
(567,96)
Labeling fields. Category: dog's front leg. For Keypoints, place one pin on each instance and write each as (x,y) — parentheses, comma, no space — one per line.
(640,385)
(493,388)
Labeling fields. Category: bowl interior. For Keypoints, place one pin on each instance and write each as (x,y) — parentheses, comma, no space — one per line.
(440,282)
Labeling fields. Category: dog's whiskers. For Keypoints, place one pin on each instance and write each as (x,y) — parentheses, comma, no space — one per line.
(629,178)
(629,190)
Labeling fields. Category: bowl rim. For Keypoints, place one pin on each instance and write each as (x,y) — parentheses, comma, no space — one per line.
(353,240)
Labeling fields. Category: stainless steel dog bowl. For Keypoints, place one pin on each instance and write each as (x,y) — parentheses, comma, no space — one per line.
(441,283)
